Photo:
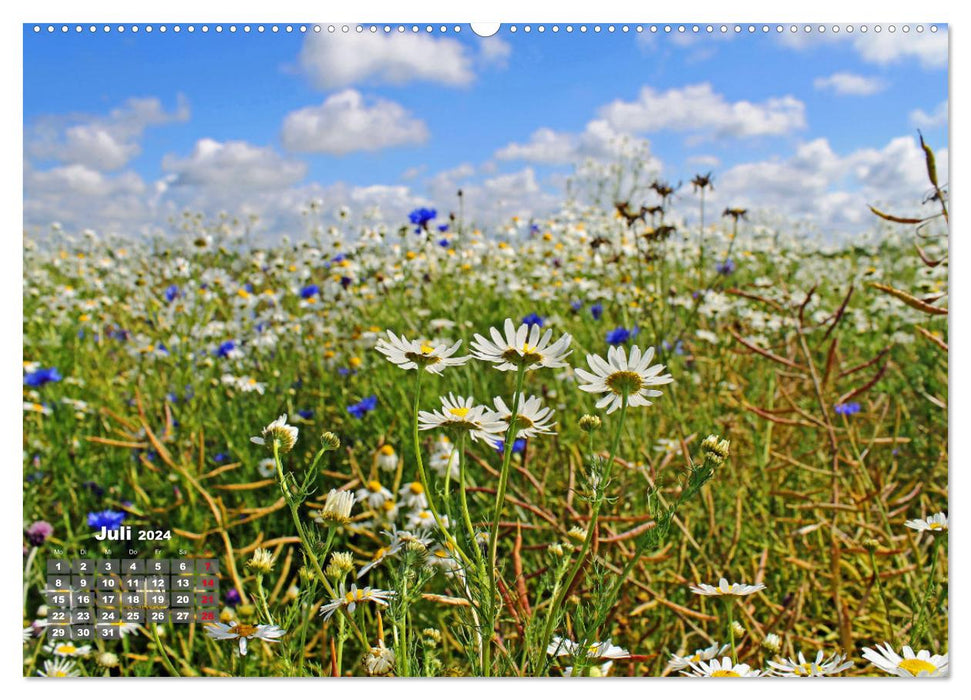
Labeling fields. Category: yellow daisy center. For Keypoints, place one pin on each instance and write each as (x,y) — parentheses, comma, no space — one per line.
(915,666)
(244,630)
(460,412)
(935,526)
(426,349)
(416,488)
(725,673)
(387,450)
(625,381)
(374,486)
(66,648)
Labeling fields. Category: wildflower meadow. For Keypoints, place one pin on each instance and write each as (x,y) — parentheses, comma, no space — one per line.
(604,442)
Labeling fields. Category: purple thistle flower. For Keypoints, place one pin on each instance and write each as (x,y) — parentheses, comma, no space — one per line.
(38,532)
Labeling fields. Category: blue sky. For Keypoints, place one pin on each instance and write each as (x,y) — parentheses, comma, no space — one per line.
(124,130)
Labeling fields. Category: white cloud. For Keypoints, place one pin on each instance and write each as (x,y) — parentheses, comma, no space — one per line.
(833,190)
(494,52)
(348,59)
(345,123)
(699,109)
(79,197)
(922,120)
(597,140)
(232,166)
(103,143)
(850,84)
(929,49)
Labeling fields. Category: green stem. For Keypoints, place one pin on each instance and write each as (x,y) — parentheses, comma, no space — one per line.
(305,543)
(423,478)
(730,604)
(921,624)
(162,653)
(883,598)
(510,439)
(261,597)
(595,512)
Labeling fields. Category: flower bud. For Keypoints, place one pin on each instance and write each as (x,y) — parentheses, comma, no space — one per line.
(589,423)
(330,441)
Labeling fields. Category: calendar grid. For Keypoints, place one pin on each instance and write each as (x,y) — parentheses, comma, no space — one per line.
(105,598)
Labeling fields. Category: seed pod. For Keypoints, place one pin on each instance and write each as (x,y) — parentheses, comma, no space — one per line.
(929,158)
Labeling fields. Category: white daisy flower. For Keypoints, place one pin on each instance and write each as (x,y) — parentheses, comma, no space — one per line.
(619,375)
(67,649)
(424,520)
(337,508)
(375,494)
(459,414)
(244,632)
(278,430)
(521,347)
(413,496)
(441,558)
(921,664)
(816,668)
(387,459)
(266,467)
(380,555)
(935,523)
(678,663)
(379,660)
(725,588)
(560,646)
(721,669)
(414,354)
(354,596)
(444,458)
(532,418)
(59,668)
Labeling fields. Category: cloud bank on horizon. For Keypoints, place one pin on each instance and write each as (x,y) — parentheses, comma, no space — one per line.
(143,127)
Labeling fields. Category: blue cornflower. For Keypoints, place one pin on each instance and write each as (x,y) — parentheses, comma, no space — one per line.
(225,349)
(231,598)
(443,242)
(847,409)
(340,257)
(171,292)
(518,446)
(621,335)
(726,268)
(533,319)
(362,407)
(110,519)
(42,376)
(442,228)
(311,290)
(220,457)
(576,305)
(306,414)
(421,217)
(597,310)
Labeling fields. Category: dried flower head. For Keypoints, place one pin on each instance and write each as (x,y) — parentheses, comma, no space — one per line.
(262,561)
